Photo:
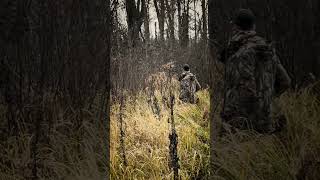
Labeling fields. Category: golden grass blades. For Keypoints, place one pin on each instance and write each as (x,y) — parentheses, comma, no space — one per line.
(147,141)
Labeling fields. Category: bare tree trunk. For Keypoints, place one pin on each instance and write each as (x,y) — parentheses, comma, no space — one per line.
(195,22)
(213,90)
(160,10)
(106,108)
(146,21)
(155,31)
(316,62)
(204,20)
(135,15)
(170,6)
(185,24)
(179,20)
(115,23)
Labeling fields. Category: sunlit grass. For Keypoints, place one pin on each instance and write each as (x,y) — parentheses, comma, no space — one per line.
(241,156)
(147,139)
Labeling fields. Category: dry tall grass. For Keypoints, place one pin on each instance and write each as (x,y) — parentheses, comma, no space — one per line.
(69,153)
(291,154)
(147,139)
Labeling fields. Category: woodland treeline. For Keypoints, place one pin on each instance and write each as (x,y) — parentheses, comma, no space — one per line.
(150,33)
(182,26)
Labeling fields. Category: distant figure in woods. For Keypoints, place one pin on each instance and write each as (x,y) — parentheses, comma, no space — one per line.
(189,85)
(253,74)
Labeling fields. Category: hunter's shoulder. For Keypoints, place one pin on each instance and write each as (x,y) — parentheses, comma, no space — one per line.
(185,74)
(261,46)
(259,41)
(188,73)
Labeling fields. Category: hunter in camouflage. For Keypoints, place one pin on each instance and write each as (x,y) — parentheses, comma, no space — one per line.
(189,85)
(252,69)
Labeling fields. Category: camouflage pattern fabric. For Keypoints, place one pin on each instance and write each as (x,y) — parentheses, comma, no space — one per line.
(252,68)
(189,85)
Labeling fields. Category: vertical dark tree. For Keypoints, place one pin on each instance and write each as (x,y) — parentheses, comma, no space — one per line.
(316,42)
(155,31)
(195,22)
(204,20)
(179,19)
(116,35)
(161,15)
(8,19)
(213,52)
(135,16)
(184,19)
(146,21)
(170,7)
(106,111)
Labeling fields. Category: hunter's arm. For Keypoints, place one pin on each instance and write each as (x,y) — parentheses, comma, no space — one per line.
(198,86)
(181,76)
(283,81)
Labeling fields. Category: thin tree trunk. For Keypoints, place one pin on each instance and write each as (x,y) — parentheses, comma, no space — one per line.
(146,21)
(179,20)
(171,14)
(160,10)
(155,31)
(185,24)
(135,16)
(213,99)
(195,22)
(204,21)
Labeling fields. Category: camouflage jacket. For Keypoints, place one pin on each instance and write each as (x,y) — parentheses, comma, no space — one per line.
(189,85)
(251,71)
